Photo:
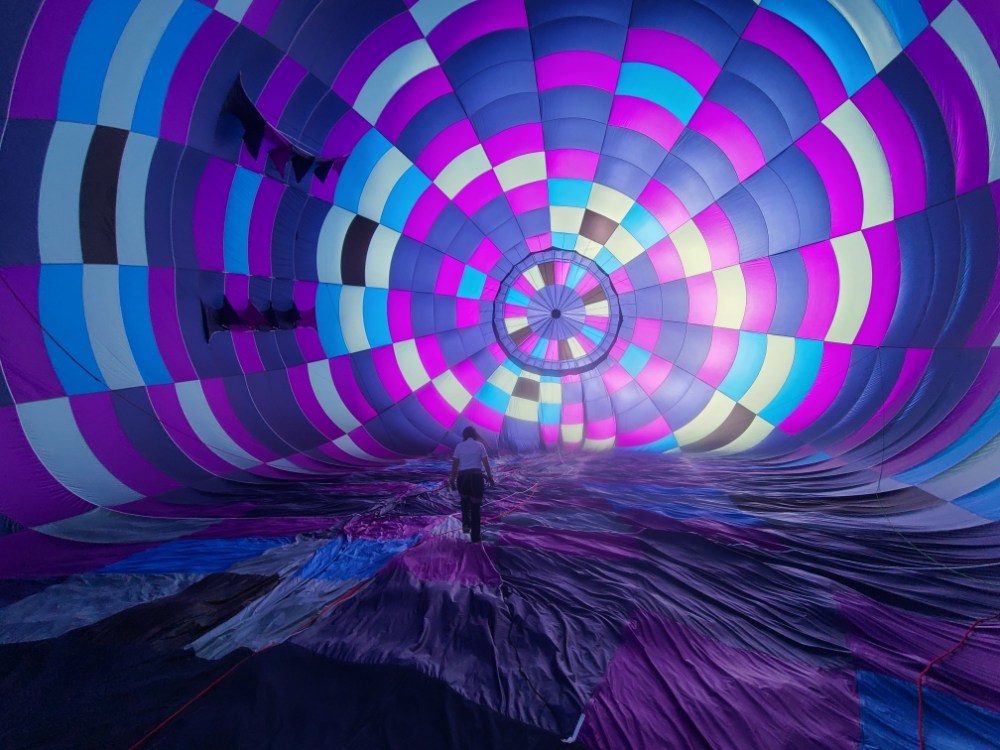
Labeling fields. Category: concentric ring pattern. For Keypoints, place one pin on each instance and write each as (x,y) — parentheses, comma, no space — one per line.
(789,207)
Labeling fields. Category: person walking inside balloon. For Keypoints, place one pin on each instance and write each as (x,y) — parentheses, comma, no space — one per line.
(467,466)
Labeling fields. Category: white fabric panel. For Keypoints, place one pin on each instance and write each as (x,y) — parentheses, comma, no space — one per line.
(348,446)
(108,526)
(873,29)
(550,392)
(106,328)
(379,258)
(330,244)
(523,409)
(692,249)
(604,444)
(130,212)
(962,34)
(503,379)
(609,202)
(534,277)
(59,195)
(452,390)
(52,431)
(711,418)
(410,364)
(130,61)
(462,170)
(352,319)
(773,373)
(429,13)
(853,130)
(521,170)
(567,219)
(753,436)
(624,246)
(587,247)
(284,464)
(404,64)
(731,297)
(571,434)
(204,424)
(326,394)
(854,264)
(380,182)
(235,9)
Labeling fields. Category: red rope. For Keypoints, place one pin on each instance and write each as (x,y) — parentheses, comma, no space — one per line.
(931,663)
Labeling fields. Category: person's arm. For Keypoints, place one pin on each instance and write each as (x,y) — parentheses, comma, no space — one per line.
(454,472)
(489,471)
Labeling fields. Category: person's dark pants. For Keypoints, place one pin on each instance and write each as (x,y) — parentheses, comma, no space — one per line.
(471,487)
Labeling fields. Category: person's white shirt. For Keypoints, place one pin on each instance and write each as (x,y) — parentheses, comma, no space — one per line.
(470,454)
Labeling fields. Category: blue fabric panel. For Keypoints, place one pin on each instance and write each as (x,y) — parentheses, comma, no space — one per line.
(498,81)
(906,17)
(744,213)
(567,192)
(634,359)
(534,222)
(376,313)
(576,101)
(493,397)
(983,502)
(404,261)
(89,58)
(241,399)
(790,274)
(579,32)
(682,397)
(60,310)
(635,147)
(978,435)
(505,113)
(755,110)
(978,217)
(22,153)
(328,320)
(776,201)
(299,113)
(178,34)
(622,175)
(194,555)
(448,224)
(889,717)
(708,160)
(327,112)
(804,184)
(133,289)
(686,183)
(487,52)
(431,120)
(736,13)
(543,11)
(805,368)
(702,25)
(159,203)
(777,81)
(586,135)
(366,154)
(860,395)
(670,502)
(642,225)
(696,344)
(283,239)
(746,367)
(466,242)
(828,28)
(236,231)
(305,236)
(659,85)
(403,197)
(909,87)
(366,375)
(272,395)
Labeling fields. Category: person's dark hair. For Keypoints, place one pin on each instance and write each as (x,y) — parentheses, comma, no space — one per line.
(470,432)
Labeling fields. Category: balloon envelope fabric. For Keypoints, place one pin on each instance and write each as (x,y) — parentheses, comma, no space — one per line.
(717,280)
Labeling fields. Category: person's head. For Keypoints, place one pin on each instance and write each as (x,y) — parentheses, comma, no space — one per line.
(470,432)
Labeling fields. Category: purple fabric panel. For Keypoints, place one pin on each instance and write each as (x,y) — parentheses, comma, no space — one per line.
(194,64)
(988,326)
(830,379)
(390,528)
(259,15)
(163,312)
(571,542)
(307,337)
(279,89)
(445,146)
(28,493)
(791,44)
(515,141)
(169,412)
(839,175)
(900,144)
(29,554)
(960,107)
(680,55)
(478,193)
(980,395)
(730,134)
(900,644)
(473,21)
(668,682)
(218,400)
(883,249)
(211,199)
(451,560)
(265,211)
(40,73)
(933,8)
(343,137)
(97,422)
(367,56)
(577,69)
(26,363)
(985,14)
(412,97)
(425,212)
(823,290)
(298,380)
